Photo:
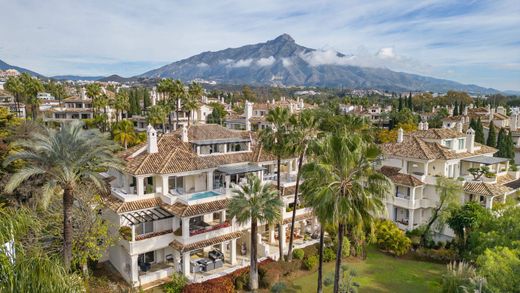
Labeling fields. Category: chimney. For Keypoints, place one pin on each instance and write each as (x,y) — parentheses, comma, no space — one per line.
(83,93)
(459,127)
(421,126)
(151,139)
(184,133)
(513,121)
(400,135)
(425,125)
(470,140)
(248,112)
(491,114)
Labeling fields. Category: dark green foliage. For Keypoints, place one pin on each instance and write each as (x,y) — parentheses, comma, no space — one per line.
(502,144)
(479,132)
(310,262)
(464,219)
(298,253)
(400,107)
(492,136)
(410,103)
(329,254)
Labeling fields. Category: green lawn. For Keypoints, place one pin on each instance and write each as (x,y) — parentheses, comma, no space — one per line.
(383,273)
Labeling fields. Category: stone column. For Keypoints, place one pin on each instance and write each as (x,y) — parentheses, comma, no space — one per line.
(126,183)
(302,228)
(134,269)
(233,252)
(165,184)
(177,261)
(412,195)
(209,181)
(489,202)
(410,219)
(186,264)
(283,236)
(140,186)
(272,240)
(185,228)
(222,216)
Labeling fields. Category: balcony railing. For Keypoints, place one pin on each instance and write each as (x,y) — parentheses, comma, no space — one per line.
(124,196)
(209,228)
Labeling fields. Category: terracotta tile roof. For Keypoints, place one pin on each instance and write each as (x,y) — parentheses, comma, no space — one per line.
(438,133)
(453,118)
(119,206)
(204,243)
(498,116)
(77,99)
(182,210)
(490,189)
(175,156)
(505,179)
(398,178)
(416,148)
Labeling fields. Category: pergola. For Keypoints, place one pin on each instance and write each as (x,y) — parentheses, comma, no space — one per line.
(139,217)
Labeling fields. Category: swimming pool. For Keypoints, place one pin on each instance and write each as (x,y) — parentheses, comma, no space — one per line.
(204,194)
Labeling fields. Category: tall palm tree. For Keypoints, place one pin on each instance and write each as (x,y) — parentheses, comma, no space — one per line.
(121,103)
(256,203)
(192,99)
(178,93)
(15,86)
(305,130)
(348,184)
(68,158)
(156,115)
(276,140)
(93,91)
(124,132)
(31,87)
(166,87)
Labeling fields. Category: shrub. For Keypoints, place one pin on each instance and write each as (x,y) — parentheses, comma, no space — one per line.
(442,255)
(298,254)
(311,250)
(126,232)
(391,239)
(460,277)
(223,284)
(177,284)
(278,287)
(345,252)
(310,262)
(329,254)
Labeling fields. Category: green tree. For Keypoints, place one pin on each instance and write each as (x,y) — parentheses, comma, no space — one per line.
(255,202)
(30,269)
(479,132)
(502,144)
(156,115)
(410,102)
(400,105)
(15,86)
(31,87)
(492,136)
(218,114)
(449,191)
(124,133)
(346,183)
(67,158)
(277,140)
(304,132)
(192,99)
(456,109)
(465,219)
(391,239)
(501,267)
(93,91)
(121,104)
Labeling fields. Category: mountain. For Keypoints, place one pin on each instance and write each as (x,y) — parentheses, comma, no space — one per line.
(76,77)
(5,66)
(283,62)
(116,78)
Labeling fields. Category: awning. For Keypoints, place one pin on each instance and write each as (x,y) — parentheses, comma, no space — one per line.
(233,170)
(138,217)
(223,140)
(486,160)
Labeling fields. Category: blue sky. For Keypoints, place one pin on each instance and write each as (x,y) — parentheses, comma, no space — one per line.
(467,41)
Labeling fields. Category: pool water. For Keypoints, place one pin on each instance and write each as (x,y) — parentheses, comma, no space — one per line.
(204,194)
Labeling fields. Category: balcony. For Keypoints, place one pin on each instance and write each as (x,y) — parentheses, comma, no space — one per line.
(147,242)
(200,196)
(286,179)
(198,230)
(121,194)
(417,203)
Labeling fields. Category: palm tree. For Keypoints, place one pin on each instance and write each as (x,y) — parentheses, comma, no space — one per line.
(166,87)
(121,103)
(31,88)
(347,184)
(305,130)
(93,91)
(177,95)
(16,88)
(256,203)
(68,158)
(276,141)
(124,132)
(156,115)
(192,99)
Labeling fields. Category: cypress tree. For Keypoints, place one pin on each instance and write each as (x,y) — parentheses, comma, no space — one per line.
(461,108)
(501,144)
(492,137)
(146,99)
(456,109)
(479,132)
(400,107)
(410,103)
(472,124)
(510,146)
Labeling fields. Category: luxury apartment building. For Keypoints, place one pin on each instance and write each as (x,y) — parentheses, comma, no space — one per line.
(170,204)
(415,161)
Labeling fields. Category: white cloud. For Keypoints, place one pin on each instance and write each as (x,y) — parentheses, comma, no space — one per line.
(202,65)
(242,63)
(287,62)
(324,57)
(386,53)
(266,61)
(225,61)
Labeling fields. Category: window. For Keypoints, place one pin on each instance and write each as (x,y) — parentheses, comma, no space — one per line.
(144,228)
(447,143)
(148,257)
(461,143)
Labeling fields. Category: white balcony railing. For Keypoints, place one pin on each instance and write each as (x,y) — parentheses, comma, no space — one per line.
(124,196)
(200,196)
